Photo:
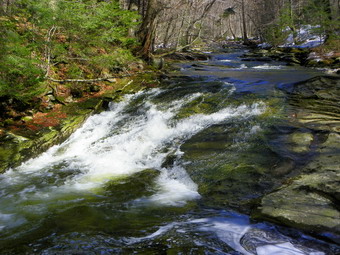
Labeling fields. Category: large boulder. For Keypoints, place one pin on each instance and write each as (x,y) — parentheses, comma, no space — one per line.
(311,200)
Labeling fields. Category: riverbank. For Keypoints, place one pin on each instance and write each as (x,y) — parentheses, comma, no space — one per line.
(329,61)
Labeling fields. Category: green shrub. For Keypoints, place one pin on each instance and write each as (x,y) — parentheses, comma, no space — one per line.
(115,60)
(21,72)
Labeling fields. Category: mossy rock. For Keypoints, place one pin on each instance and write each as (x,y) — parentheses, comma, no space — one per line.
(134,186)
(201,105)
(12,150)
(235,186)
(25,144)
(300,142)
(229,174)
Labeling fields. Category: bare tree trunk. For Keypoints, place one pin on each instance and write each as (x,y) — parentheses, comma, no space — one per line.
(185,14)
(6,6)
(167,33)
(231,29)
(244,23)
(147,30)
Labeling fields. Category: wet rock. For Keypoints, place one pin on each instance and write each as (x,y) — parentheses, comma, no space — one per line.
(11,147)
(237,187)
(317,102)
(201,105)
(134,186)
(311,200)
(259,59)
(296,207)
(228,171)
(284,167)
(301,141)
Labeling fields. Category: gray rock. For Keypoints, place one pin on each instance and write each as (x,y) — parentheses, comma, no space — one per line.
(310,201)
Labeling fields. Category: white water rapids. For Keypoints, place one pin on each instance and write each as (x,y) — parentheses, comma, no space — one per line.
(104,149)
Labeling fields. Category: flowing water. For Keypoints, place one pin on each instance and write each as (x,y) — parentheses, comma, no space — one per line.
(145,176)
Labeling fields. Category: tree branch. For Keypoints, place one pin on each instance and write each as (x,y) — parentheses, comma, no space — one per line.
(109,79)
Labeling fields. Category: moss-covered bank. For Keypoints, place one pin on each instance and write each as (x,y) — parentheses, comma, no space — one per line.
(32,135)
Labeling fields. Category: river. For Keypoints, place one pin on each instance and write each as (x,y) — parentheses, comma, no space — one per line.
(168,170)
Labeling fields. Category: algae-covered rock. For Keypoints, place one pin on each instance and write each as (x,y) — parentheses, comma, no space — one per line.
(301,141)
(311,200)
(201,105)
(11,148)
(232,166)
(133,186)
(235,186)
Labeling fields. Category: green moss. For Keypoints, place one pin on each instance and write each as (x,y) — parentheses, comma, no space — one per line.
(197,106)
(301,141)
(138,184)
(6,155)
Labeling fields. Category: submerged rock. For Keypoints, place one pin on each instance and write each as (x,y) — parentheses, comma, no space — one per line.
(231,167)
(301,141)
(133,186)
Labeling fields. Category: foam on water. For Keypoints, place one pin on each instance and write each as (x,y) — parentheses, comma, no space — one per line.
(231,229)
(282,249)
(176,187)
(268,67)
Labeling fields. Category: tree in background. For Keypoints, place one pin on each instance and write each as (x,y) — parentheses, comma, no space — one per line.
(319,14)
(227,14)
(147,30)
